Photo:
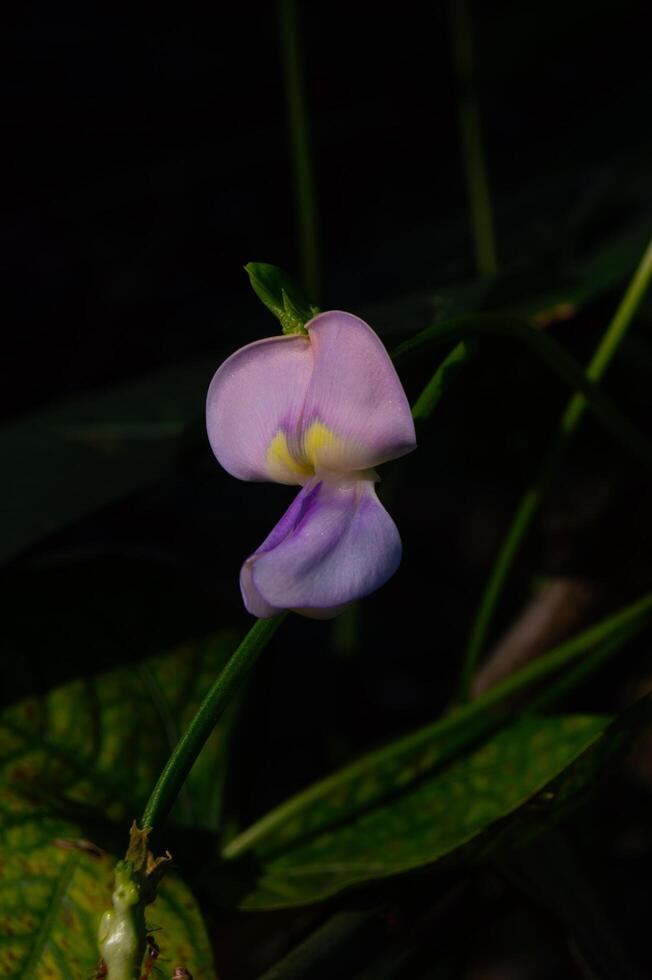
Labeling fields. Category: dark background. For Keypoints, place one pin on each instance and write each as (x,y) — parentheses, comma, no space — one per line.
(147,162)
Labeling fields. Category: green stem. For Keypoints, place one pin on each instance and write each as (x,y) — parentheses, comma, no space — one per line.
(477,183)
(613,335)
(209,712)
(304,185)
(531,501)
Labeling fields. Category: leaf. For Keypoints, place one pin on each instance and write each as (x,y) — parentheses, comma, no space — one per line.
(103,741)
(54,887)
(366,783)
(282,295)
(425,820)
(72,458)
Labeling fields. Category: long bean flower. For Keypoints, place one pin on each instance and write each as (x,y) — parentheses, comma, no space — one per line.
(319,411)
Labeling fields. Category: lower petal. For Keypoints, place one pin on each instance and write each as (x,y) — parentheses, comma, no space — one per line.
(336,543)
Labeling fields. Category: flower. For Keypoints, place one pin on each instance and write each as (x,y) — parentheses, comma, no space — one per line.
(320,411)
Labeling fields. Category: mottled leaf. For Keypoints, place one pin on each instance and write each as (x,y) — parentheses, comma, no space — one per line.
(54,887)
(425,820)
(364,784)
(102,741)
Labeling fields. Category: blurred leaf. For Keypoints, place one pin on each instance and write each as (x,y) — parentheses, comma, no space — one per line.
(541,293)
(103,741)
(72,458)
(474,327)
(282,295)
(296,863)
(54,887)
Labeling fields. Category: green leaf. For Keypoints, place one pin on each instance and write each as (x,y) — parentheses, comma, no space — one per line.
(103,741)
(54,887)
(281,294)
(424,821)
(68,460)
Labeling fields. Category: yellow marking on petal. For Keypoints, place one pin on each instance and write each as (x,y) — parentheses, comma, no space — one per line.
(283,466)
(320,447)
(321,444)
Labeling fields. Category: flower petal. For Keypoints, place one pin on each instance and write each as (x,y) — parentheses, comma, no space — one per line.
(335,543)
(254,400)
(356,414)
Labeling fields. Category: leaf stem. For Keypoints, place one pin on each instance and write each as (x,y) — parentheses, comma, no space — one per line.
(304,184)
(531,500)
(477,182)
(208,714)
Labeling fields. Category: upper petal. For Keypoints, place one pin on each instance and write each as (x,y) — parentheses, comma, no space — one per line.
(356,413)
(254,402)
(336,543)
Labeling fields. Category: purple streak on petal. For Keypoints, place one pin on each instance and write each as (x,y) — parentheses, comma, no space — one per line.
(258,390)
(356,392)
(295,515)
(336,543)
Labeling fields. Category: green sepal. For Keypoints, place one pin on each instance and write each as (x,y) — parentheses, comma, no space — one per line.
(281,294)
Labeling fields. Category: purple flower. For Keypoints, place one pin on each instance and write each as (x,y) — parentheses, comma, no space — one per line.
(319,411)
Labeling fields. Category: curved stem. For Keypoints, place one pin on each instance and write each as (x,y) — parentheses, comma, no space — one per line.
(209,712)
(531,500)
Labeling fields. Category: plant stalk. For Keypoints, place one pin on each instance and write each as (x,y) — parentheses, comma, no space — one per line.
(208,714)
